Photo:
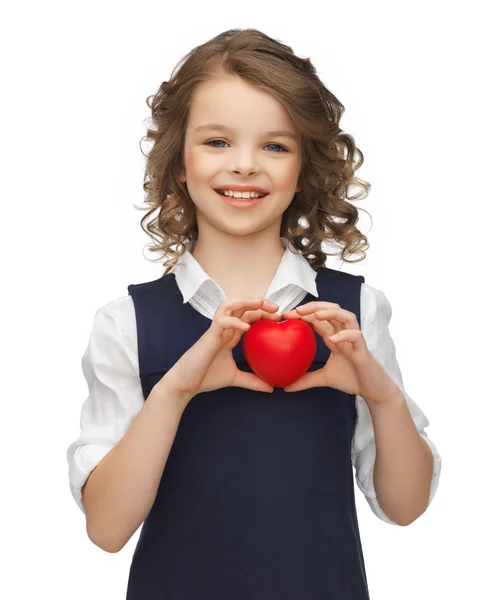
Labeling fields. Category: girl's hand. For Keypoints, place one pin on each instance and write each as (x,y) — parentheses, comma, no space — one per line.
(209,365)
(350,368)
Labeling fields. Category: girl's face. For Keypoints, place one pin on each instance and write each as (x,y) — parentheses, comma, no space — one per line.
(244,152)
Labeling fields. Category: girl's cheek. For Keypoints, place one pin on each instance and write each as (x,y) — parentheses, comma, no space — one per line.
(200,163)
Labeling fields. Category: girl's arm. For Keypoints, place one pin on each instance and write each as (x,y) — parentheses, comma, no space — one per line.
(117,461)
(121,490)
(383,437)
(404,465)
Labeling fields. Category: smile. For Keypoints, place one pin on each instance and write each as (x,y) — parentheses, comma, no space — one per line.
(238,201)
(236,194)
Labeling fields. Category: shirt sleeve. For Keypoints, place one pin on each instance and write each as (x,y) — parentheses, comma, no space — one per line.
(110,367)
(377,310)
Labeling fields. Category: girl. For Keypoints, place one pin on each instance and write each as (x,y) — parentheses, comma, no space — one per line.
(245,491)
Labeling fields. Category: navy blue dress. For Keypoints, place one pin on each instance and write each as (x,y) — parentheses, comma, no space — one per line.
(256,501)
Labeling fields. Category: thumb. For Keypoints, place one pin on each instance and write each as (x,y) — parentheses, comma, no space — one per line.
(251,382)
(308,380)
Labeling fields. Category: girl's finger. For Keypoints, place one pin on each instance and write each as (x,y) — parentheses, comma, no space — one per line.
(227,322)
(308,309)
(270,306)
(338,314)
(313,306)
(323,327)
(230,306)
(251,382)
(335,325)
(292,314)
(354,336)
(257,315)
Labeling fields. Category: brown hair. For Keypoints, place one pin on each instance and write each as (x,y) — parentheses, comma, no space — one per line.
(328,165)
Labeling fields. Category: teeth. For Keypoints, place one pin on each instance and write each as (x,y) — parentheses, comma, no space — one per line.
(240,194)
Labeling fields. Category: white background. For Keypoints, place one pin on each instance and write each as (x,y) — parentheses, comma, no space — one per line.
(75,79)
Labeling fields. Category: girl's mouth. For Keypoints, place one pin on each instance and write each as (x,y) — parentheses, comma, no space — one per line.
(240,202)
(223,193)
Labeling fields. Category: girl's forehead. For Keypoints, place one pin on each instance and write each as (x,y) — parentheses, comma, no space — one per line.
(232,104)
(220,90)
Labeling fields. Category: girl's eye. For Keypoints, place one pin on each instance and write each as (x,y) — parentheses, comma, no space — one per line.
(223,142)
(279,146)
(212,141)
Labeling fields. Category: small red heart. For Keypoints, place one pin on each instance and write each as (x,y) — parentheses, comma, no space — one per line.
(279,352)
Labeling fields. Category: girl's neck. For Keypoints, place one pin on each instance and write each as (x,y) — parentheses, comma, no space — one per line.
(241,265)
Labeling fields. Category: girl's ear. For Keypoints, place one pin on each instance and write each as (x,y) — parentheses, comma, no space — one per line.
(181,175)
(299,187)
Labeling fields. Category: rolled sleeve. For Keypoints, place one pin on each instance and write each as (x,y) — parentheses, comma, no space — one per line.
(110,367)
(375,327)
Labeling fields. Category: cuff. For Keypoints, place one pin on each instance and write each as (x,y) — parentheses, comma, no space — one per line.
(82,461)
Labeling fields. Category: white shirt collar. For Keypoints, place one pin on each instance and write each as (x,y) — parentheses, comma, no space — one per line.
(293,269)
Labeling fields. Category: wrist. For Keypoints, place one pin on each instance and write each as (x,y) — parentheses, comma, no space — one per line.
(395,399)
(165,393)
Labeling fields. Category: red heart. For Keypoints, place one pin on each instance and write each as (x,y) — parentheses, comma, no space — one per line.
(279,352)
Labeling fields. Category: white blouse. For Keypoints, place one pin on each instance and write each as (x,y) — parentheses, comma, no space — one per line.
(111,369)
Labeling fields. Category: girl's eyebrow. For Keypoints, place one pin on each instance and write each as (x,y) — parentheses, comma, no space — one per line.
(219,127)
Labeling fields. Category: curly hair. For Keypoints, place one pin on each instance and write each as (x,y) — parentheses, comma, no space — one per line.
(320,211)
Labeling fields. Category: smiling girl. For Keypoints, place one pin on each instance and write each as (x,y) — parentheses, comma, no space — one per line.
(245,491)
